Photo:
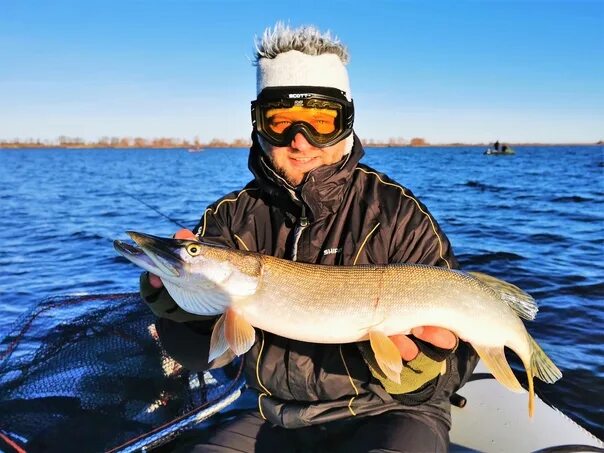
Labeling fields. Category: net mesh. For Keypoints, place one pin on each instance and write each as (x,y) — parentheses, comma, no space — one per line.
(87,373)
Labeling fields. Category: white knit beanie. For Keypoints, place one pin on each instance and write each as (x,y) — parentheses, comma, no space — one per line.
(294,68)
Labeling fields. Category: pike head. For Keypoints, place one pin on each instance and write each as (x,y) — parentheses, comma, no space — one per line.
(201,279)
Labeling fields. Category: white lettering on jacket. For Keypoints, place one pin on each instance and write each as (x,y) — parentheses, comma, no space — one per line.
(332,251)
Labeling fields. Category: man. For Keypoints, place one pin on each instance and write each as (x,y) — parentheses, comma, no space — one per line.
(312,201)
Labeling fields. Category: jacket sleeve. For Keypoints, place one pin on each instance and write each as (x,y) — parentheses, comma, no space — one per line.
(186,336)
(418,239)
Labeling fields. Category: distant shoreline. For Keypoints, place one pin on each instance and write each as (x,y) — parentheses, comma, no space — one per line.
(196,145)
(30,146)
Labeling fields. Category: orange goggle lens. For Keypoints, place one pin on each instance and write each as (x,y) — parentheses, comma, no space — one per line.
(322,120)
(322,114)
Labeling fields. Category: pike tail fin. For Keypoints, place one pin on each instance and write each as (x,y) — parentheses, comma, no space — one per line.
(541,367)
(522,303)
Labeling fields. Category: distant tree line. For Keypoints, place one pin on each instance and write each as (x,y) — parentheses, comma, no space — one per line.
(64,141)
(395,142)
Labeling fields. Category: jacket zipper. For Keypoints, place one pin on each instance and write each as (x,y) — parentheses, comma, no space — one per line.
(300,227)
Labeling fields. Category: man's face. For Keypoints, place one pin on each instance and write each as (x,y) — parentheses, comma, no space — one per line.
(293,162)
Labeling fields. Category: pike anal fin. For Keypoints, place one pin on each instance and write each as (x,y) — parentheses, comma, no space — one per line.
(387,355)
(239,334)
(494,359)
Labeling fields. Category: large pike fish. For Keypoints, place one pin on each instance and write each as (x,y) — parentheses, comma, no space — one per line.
(343,304)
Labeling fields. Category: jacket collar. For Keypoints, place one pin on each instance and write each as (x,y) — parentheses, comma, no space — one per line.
(323,189)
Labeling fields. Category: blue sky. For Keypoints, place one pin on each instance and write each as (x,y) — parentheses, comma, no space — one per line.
(458,70)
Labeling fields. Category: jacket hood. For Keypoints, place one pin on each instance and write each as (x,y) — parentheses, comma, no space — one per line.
(323,188)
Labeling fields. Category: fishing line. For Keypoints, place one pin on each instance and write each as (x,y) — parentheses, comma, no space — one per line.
(176,222)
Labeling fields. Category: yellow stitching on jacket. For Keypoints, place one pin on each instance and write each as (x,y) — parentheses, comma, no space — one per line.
(203,230)
(363,244)
(214,211)
(241,242)
(440,244)
(266,391)
(351,383)
(260,405)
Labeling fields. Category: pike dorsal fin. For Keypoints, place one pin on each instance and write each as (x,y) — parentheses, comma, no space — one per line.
(522,303)
(387,355)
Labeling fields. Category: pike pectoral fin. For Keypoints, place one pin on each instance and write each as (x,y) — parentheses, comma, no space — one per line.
(218,343)
(494,359)
(239,334)
(387,355)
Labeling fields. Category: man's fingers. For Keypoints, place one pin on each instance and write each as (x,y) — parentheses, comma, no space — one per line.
(184,234)
(155,281)
(439,337)
(406,346)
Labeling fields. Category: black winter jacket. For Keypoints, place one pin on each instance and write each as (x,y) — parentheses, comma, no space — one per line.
(343,214)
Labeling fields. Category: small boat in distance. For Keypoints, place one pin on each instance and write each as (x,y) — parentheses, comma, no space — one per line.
(195,150)
(508,152)
(496,150)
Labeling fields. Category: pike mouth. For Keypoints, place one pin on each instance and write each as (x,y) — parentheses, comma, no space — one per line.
(156,255)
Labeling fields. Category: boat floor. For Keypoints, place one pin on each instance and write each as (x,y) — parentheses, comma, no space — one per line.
(495,419)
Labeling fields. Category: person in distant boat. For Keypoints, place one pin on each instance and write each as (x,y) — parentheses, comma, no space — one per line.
(504,148)
(496,146)
(312,201)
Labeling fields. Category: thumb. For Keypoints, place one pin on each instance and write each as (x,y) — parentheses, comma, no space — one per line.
(184,234)
(155,281)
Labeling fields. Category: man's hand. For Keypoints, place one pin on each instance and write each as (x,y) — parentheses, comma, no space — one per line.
(154,280)
(439,337)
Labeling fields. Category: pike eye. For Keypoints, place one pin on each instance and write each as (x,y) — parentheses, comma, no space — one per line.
(193,249)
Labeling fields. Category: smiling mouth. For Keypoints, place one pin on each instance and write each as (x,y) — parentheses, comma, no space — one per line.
(302,159)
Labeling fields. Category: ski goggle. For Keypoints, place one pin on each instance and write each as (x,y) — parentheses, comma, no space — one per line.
(322,115)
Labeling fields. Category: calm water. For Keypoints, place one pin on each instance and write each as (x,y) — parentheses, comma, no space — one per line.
(534,219)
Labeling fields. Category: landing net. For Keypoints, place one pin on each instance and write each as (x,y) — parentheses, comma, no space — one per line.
(87,373)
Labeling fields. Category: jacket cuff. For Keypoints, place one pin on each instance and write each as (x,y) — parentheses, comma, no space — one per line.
(433,352)
(162,305)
